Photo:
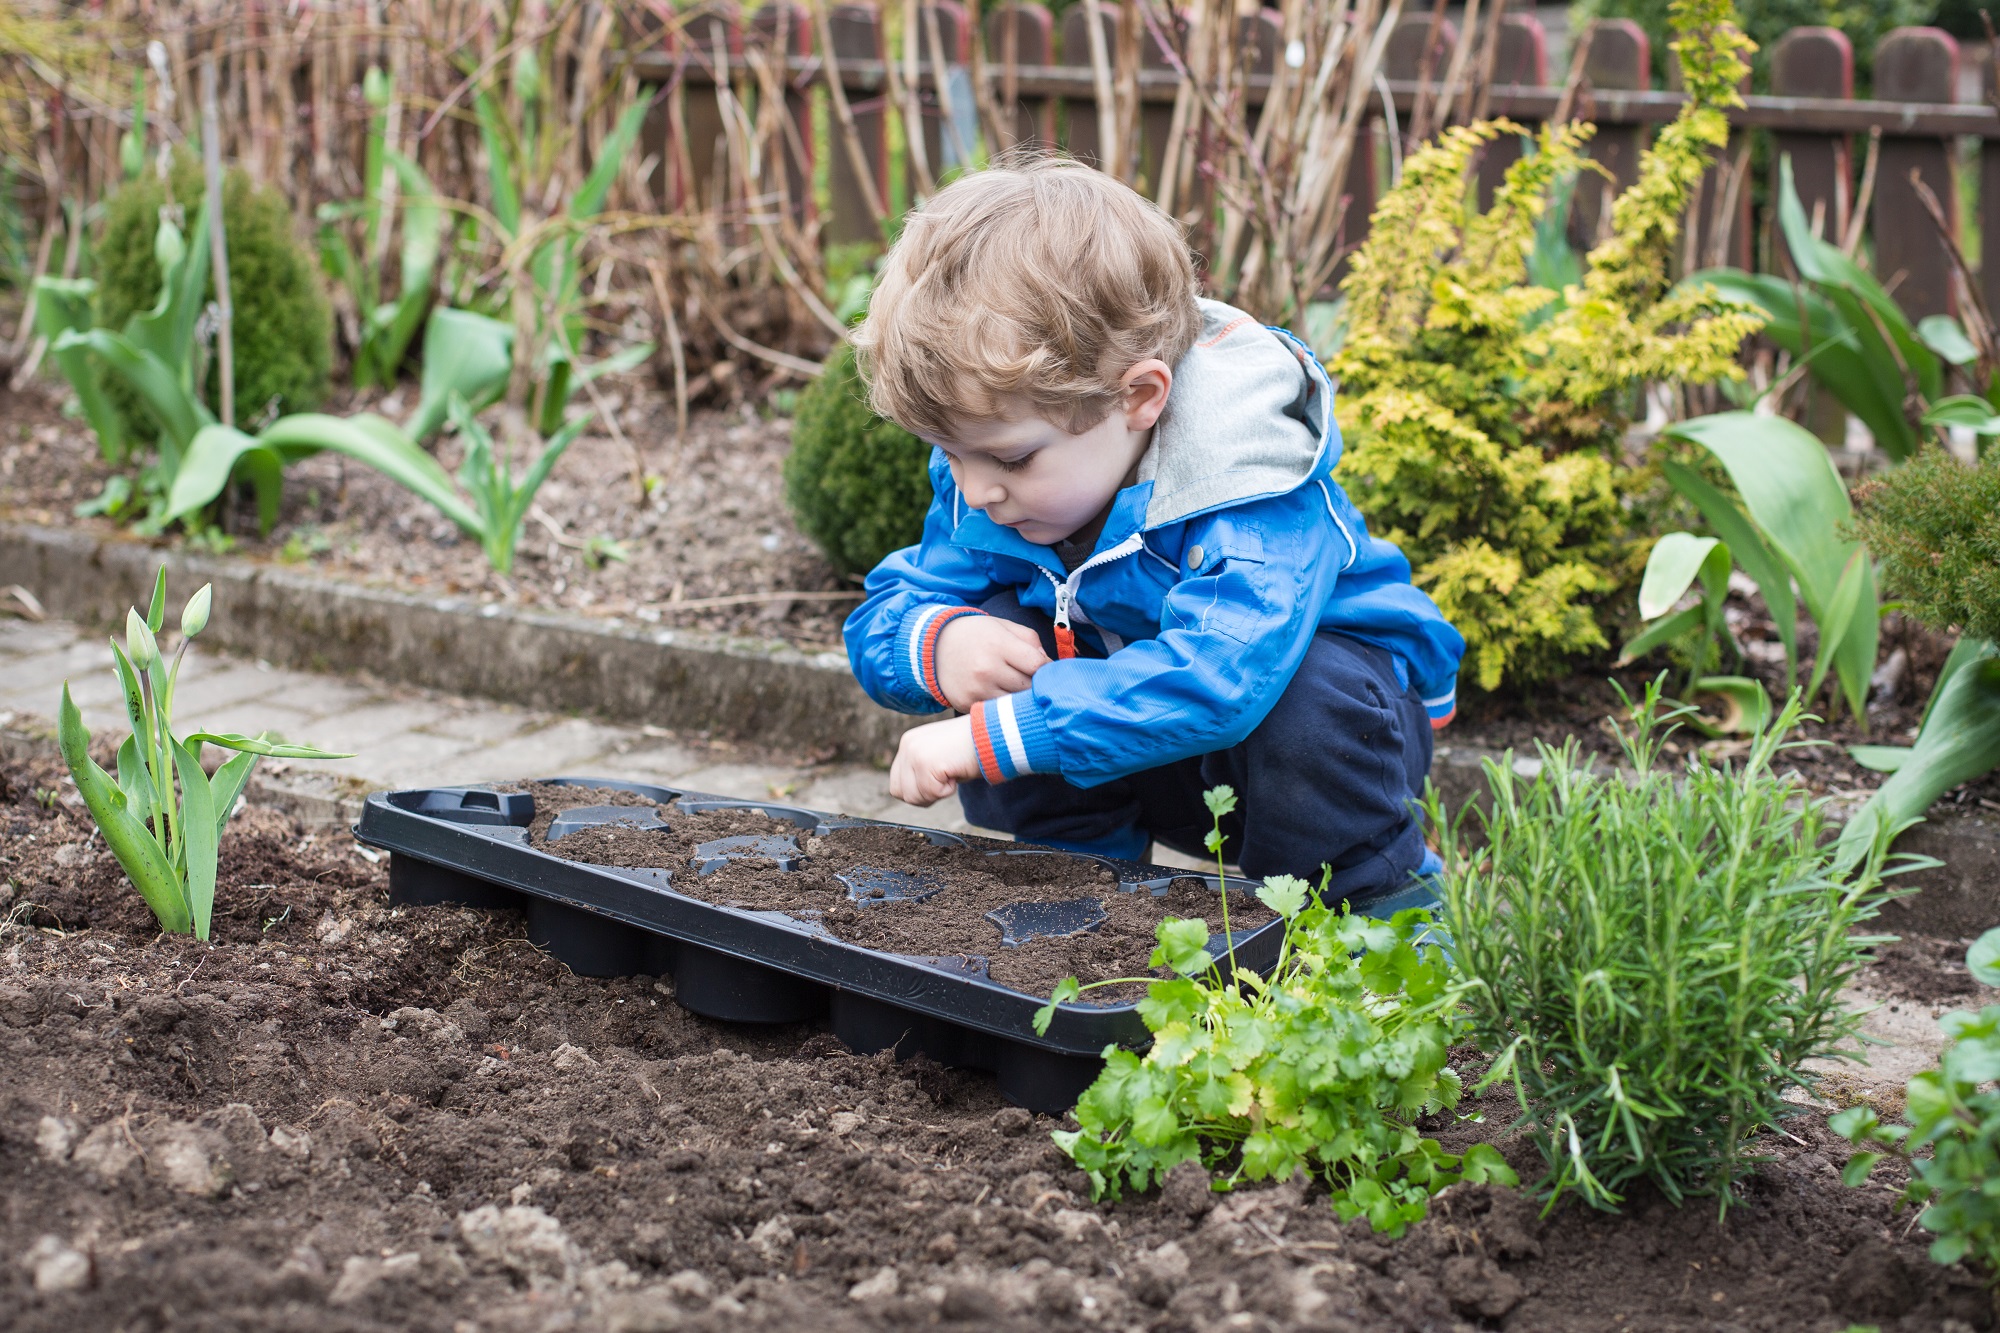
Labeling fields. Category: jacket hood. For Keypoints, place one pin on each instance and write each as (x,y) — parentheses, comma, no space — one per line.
(1249,415)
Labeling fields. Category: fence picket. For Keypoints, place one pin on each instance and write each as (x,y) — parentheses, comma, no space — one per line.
(1914,65)
(1621,57)
(1033,119)
(857,35)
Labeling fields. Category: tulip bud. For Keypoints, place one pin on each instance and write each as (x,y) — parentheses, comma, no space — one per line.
(139,644)
(194,618)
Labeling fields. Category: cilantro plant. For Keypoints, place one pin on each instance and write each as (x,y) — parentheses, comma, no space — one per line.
(1324,1066)
(1953,1110)
(1655,955)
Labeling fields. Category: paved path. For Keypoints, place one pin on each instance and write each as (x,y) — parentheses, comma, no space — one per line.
(407,737)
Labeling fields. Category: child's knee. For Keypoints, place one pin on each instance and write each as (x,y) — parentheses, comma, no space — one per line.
(1349,715)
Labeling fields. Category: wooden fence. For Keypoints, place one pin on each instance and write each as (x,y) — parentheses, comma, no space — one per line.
(1028,76)
(1853,160)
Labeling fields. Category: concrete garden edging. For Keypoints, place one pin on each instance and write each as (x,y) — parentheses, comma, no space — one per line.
(685,680)
(680,679)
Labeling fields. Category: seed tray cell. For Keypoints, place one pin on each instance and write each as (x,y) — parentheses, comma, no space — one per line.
(469,846)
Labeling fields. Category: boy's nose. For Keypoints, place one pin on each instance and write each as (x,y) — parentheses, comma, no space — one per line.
(981,493)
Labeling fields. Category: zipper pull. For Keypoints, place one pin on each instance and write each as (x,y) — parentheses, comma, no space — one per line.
(1065,637)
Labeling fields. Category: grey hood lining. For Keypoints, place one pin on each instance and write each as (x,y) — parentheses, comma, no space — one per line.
(1241,422)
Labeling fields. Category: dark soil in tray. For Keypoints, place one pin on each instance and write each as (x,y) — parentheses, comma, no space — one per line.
(347,1117)
(951,922)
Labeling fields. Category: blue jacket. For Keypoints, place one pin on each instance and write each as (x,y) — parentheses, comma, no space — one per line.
(1213,573)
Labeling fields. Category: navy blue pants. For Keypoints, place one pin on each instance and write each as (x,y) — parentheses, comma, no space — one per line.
(1328,778)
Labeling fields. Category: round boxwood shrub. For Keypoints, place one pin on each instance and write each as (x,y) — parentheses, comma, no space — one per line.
(858,485)
(281,320)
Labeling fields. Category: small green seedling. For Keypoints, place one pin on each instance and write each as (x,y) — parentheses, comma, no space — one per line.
(163,816)
(1322,1067)
(1952,1111)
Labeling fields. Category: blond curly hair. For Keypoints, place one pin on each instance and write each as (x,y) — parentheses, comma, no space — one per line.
(1040,278)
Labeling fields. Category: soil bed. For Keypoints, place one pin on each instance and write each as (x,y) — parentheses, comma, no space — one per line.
(342,1116)
(715,525)
(962,886)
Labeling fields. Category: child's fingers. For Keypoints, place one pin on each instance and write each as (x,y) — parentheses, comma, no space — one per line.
(1007,680)
(1021,632)
(1025,657)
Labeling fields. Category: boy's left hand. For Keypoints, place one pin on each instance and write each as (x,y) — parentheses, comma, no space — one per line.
(932,760)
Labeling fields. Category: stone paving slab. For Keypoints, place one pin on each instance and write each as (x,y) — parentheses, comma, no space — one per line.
(404,736)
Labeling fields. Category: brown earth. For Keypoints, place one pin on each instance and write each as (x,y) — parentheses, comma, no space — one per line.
(346,1116)
(974,881)
(714,523)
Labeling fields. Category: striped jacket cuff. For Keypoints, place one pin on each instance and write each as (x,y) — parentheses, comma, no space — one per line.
(1443,708)
(1011,738)
(920,636)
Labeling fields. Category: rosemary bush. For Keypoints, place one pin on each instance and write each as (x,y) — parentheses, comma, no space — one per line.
(1654,955)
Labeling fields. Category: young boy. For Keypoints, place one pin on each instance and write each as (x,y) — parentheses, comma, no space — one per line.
(1138,578)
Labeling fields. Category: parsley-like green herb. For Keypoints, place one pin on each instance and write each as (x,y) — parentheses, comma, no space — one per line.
(1322,1067)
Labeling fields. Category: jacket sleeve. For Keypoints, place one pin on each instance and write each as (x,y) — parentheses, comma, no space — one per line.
(892,636)
(1233,631)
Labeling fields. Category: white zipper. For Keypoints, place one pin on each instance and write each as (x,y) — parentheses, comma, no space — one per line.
(1066,589)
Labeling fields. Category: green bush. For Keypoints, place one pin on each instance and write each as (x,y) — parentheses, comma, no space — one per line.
(282,323)
(1654,956)
(1484,414)
(1935,525)
(1954,1111)
(857,485)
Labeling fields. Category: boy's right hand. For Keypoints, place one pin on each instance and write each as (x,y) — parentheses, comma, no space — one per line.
(984,657)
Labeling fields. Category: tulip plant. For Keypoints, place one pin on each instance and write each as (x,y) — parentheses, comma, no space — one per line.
(163,815)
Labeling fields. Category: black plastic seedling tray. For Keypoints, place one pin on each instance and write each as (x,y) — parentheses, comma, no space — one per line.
(469,846)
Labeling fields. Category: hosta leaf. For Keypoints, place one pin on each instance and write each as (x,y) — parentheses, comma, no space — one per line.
(1670,571)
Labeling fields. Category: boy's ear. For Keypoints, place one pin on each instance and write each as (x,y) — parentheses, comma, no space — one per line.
(1146,388)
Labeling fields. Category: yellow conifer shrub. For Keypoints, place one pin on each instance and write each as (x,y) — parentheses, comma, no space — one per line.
(1484,416)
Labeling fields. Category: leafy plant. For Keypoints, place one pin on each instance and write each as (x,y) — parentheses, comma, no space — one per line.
(524,138)
(499,501)
(281,319)
(1790,526)
(1854,339)
(857,484)
(1681,560)
(489,511)
(472,355)
(163,816)
(1954,1111)
(1324,1066)
(1655,956)
(384,328)
(1483,415)
(1935,525)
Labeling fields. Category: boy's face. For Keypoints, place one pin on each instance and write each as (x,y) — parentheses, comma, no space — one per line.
(1033,476)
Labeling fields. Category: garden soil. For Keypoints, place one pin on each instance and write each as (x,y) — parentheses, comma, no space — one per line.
(952,922)
(345,1116)
(713,523)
